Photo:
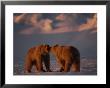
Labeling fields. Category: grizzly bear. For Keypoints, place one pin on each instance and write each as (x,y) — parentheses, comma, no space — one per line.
(38,55)
(68,57)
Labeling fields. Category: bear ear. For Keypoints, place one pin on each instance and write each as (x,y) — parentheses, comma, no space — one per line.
(47,47)
(56,45)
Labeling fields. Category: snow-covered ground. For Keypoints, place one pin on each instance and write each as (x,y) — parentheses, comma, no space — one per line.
(87,67)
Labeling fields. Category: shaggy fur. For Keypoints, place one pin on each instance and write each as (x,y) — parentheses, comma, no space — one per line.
(67,57)
(36,56)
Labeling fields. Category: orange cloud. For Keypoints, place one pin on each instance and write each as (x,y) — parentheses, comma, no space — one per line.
(91,24)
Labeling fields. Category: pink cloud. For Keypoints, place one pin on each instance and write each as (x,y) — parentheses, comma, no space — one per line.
(29,19)
(67,19)
(91,24)
(35,30)
(33,19)
(67,23)
(28,31)
(62,29)
(61,17)
(45,25)
(20,18)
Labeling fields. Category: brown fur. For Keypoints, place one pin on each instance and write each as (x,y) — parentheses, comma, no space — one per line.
(36,56)
(67,57)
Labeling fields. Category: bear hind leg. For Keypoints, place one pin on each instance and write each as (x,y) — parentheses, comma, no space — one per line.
(62,66)
(67,67)
(76,67)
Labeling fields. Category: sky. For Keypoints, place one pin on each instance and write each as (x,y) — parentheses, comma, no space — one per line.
(76,29)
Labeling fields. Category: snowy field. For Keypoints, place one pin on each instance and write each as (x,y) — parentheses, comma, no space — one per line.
(87,67)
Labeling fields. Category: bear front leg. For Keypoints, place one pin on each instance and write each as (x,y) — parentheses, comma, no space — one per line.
(28,65)
(39,65)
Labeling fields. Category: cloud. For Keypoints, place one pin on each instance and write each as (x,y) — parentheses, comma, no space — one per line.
(61,17)
(20,18)
(28,31)
(33,19)
(46,25)
(59,30)
(71,21)
(37,25)
(43,26)
(45,30)
(67,19)
(91,24)
(65,23)
(28,18)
